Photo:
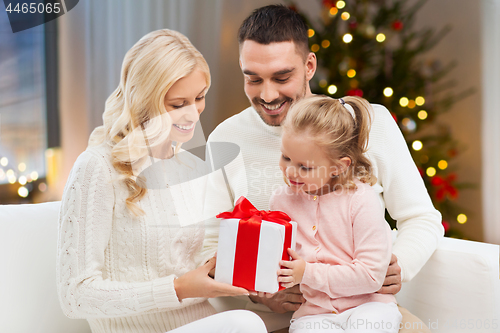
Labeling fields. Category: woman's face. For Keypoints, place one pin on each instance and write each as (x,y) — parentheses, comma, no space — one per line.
(185,101)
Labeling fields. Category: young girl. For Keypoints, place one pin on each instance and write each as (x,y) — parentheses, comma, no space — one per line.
(343,242)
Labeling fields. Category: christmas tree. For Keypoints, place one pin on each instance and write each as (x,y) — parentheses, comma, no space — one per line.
(371,49)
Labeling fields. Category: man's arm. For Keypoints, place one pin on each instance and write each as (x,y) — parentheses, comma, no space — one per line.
(405,196)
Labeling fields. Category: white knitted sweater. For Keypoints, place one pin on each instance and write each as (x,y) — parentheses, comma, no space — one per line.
(399,185)
(116,270)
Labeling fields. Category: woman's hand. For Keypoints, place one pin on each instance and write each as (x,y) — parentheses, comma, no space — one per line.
(197,283)
(294,271)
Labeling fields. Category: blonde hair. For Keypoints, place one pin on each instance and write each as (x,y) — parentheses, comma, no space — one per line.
(337,132)
(155,63)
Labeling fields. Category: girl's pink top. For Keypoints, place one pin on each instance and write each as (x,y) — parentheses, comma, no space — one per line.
(346,243)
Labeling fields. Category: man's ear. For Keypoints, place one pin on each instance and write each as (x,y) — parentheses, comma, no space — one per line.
(342,166)
(311,65)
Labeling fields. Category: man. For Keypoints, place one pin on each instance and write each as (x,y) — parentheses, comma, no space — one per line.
(277,67)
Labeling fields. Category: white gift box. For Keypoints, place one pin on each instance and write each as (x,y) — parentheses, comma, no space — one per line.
(245,256)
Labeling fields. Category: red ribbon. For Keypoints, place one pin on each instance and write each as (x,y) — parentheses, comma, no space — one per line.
(247,240)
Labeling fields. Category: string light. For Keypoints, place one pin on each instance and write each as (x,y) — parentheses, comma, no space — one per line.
(315,48)
(34,175)
(345,16)
(347,38)
(417,145)
(4,161)
(431,172)
(310,33)
(340,4)
(380,38)
(420,101)
(22,180)
(325,43)
(2,174)
(462,218)
(22,167)
(351,73)
(42,187)
(442,164)
(11,179)
(422,115)
(332,89)
(403,101)
(411,104)
(322,83)
(333,11)
(23,192)
(388,92)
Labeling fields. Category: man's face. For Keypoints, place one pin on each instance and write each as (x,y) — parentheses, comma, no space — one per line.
(276,75)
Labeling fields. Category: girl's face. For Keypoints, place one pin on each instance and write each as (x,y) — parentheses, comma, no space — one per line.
(305,165)
(185,101)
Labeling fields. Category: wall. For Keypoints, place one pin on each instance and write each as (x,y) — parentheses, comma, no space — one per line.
(226,97)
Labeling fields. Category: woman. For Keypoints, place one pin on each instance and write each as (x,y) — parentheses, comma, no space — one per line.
(126,262)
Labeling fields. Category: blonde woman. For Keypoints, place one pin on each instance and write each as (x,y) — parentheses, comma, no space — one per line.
(126,261)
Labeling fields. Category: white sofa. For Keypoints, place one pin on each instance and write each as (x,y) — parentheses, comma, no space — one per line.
(458,290)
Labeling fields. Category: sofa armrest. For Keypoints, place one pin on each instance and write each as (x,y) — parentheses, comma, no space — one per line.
(458,289)
(28,247)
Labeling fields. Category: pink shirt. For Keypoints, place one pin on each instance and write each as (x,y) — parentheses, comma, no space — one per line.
(346,243)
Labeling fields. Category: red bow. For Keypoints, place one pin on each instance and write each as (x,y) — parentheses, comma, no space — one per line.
(244,210)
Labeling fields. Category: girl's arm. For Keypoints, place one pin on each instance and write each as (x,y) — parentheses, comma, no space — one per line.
(372,252)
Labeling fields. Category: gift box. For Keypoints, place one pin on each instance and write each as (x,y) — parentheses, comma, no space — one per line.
(251,244)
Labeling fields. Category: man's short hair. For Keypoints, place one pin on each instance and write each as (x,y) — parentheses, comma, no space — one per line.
(274,24)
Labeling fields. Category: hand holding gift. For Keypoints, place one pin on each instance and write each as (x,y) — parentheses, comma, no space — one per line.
(251,245)
(293,272)
(198,283)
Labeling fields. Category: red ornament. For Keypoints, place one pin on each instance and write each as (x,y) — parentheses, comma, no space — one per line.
(355,92)
(445,187)
(397,25)
(353,25)
(446,226)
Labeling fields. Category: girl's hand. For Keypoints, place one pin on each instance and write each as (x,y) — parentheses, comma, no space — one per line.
(294,271)
(198,283)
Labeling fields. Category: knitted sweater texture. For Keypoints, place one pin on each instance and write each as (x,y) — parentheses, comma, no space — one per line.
(399,186)
(117,270)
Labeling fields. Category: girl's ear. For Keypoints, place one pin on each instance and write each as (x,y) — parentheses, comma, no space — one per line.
(342,166)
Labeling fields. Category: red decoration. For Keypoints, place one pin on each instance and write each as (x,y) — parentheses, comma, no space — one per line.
(445,187)
(328,3)
(420,170)
(452,152)
(247,241)
(355,92)
(397,25)
(293,7)
(446,226)
(353,25)
(394,116)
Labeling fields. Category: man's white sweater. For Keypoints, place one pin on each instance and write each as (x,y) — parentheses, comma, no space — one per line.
(399,184)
